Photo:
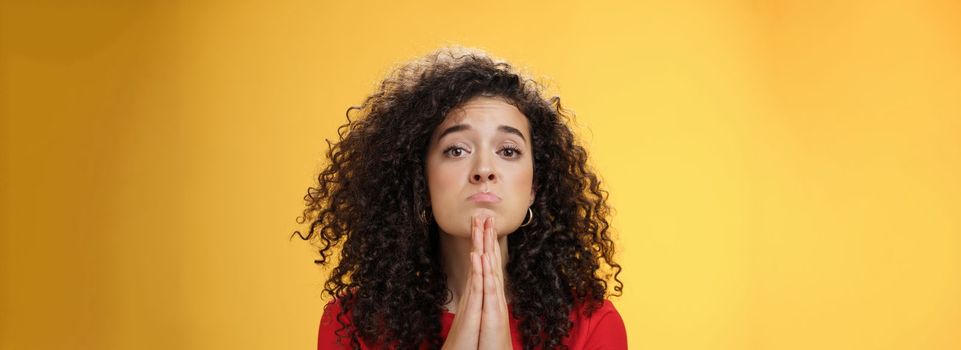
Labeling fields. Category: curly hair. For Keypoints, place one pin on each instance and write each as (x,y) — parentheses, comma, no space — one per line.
(370,198)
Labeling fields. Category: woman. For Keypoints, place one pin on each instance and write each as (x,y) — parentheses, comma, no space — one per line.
(466,215)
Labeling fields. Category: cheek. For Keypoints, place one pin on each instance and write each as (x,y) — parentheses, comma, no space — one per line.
(445,183)
(520,182)
(442,181)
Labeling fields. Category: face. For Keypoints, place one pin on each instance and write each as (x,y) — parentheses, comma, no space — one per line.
(479,163)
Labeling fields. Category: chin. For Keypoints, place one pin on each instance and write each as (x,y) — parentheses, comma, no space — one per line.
(460,226)
(483,213)
(463,225)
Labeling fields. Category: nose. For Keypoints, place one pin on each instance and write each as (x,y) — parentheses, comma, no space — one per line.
(482,172)
(482,175)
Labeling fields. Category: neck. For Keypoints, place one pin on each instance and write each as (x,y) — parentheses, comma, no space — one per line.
(455,255)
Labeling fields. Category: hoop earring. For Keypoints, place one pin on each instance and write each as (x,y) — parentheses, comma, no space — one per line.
(528,220)
(424,215)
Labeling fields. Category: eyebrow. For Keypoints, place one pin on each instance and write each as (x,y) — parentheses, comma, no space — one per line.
(462,127)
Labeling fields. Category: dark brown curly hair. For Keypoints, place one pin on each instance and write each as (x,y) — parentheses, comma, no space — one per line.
(370,197)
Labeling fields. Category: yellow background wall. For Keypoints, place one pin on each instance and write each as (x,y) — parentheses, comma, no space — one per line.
(786,174)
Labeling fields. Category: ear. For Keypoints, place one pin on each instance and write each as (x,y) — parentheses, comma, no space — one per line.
(533,195)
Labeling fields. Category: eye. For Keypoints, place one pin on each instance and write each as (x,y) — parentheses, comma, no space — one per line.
(455,151)
(511,151)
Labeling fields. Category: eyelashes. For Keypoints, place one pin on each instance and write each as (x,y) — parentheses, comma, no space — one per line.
(513,150)
(457,151)
(450,150)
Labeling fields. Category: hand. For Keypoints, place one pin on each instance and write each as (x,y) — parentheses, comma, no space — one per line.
(465,330)
(481,321)
(495,330)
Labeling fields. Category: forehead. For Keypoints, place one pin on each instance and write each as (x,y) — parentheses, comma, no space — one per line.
(485,113)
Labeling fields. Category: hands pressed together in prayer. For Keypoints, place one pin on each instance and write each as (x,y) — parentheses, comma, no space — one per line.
(481,320)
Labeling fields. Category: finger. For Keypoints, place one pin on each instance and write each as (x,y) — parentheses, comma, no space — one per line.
(476,290)
(496,249)
(488,240)
(496,283)
(473,233)
(495,301)
(495,326)
(472,298)
(490,289)
(495,308)
(465,330)
(477,236)
(462,302)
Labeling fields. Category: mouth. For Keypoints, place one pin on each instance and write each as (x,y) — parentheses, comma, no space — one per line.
(484,197)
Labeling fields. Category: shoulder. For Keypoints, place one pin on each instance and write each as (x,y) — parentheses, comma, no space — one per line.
(327,334)
(594,311)
(601,328)
(334,313)
(334,308)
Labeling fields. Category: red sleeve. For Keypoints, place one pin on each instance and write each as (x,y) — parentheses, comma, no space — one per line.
(326,336)
(607,329)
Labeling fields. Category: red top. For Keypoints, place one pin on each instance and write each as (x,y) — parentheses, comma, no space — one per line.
(604,329)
